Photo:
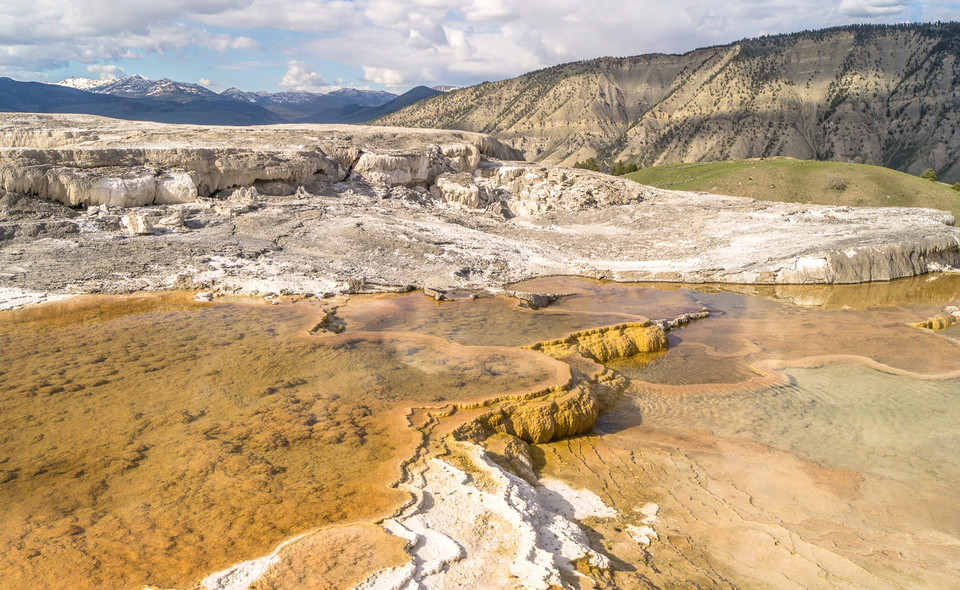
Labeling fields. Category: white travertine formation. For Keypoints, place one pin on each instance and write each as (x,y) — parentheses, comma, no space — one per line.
(502,534)
(130,164)
(326,209)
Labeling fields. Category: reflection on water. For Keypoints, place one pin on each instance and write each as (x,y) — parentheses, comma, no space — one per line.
(682,364)
(151,439)
(496,321)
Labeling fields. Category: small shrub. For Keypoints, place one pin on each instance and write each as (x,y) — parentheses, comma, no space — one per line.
(837,184)
(956,186)
(930,174)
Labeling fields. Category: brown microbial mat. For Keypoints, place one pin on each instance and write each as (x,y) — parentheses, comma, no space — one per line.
(154,440)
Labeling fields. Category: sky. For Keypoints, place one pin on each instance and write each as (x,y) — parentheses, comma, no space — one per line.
(322,45)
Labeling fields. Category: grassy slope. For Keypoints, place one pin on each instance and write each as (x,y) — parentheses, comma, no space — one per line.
(802,181)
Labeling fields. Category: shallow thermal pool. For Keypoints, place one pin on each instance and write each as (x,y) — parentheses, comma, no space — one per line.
(798,437)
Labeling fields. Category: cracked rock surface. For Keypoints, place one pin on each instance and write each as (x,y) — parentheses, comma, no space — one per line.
(96,205)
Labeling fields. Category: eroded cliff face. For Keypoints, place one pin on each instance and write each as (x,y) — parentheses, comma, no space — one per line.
(103,162)
(874,95)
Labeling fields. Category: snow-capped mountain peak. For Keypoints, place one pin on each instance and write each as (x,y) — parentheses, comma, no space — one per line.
(87,84)
(138,86)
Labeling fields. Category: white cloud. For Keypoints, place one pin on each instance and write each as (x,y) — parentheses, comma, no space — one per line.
(384,76)
(106,72)
(205,82)
(873,8)
(407,41)
(489,11)
(300,76)
(304,16)
(46,34)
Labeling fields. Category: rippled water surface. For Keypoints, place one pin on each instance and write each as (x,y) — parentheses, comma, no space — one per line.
(151,439)
(790,446)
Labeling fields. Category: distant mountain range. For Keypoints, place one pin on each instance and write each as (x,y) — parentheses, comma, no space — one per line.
(140,87)
(355,113)
(887,95)
(295,105)
(168,101)
(37,97)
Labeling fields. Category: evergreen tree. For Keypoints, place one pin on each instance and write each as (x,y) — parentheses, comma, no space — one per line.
(588,164)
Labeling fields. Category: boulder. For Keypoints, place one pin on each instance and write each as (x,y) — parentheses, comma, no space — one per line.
(137,224)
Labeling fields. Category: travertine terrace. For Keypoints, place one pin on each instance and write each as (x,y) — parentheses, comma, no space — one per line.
(98,205)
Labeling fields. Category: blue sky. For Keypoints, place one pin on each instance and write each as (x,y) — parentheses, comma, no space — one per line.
(321,45)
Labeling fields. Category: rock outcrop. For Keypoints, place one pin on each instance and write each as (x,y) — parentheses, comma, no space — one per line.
(881,262)
(467,173)
(92,168)
(557,414)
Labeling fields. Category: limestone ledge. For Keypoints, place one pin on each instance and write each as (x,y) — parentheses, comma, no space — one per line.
(882,262)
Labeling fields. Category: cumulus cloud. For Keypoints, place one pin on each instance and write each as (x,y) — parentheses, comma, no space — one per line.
(489,11)
(462,42)
(106,72)
(47,34)
(302,16)
(384,76)
(301,76)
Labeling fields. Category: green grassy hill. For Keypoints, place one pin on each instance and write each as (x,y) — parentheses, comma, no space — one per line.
(803,181)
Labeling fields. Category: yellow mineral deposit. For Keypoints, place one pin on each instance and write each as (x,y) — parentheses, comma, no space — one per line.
(942,321)
(608,343)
